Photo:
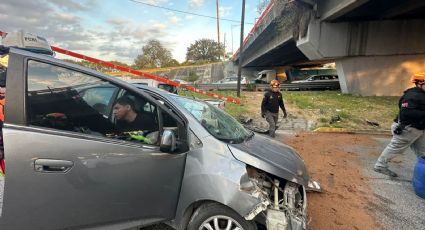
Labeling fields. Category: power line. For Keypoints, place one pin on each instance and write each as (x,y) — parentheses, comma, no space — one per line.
(186,12)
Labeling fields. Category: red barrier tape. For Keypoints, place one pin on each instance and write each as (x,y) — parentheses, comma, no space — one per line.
(139,73)
(146,75)
(260,19)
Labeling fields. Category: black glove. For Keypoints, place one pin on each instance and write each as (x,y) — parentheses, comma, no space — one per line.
(285,114)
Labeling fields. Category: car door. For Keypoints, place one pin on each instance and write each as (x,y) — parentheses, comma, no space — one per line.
(63,171)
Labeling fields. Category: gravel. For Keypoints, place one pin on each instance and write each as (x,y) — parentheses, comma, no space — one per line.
(396,206)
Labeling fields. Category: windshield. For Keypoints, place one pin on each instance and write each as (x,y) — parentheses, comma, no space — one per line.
(221,125)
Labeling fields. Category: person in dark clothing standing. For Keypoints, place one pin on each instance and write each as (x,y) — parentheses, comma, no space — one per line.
(128,119)
(270,106)
(408,128)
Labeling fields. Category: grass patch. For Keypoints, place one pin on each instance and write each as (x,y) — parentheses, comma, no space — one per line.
(323,120)
(320,106)
(353,110)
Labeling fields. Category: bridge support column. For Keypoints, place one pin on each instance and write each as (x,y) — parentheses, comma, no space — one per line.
(378,75)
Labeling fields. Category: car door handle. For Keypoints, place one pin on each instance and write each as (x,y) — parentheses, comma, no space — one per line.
(50,165)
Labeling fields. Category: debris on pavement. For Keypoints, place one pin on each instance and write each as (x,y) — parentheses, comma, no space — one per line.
(335,119)
(245,120)
(372,123)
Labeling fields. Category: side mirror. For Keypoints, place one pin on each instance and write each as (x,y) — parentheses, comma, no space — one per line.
(168,141)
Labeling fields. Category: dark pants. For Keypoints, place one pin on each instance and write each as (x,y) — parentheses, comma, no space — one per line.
(272,120)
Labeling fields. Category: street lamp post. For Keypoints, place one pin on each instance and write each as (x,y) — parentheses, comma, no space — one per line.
(241,50)
(218,26)
(231,29)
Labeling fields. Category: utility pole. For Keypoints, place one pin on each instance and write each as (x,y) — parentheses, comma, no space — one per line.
(238,93)
(224,43)
(231,31)
(218,26)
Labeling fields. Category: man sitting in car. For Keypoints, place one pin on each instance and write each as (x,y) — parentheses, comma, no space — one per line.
(128,119)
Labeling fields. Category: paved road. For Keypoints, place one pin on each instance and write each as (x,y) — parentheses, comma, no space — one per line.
(397,206)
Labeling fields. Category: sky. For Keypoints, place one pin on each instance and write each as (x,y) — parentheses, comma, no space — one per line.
(118,29)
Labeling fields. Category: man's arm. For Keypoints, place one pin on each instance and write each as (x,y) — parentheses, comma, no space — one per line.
(264,103)
(282,106)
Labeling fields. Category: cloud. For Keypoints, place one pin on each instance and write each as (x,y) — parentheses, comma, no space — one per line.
(119,39)
(40,18)
(117,22)
(196,3)
(71,5)
(66,18)
(225,10)
(172,18)
(115,38)
(155,2)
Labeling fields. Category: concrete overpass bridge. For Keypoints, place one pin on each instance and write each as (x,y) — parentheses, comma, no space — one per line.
(376,44)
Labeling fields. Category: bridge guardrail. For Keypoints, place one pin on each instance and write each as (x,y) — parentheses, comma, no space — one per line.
(289,86)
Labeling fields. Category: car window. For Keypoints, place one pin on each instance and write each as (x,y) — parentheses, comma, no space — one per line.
(99,98)
(65,99)
(215,121)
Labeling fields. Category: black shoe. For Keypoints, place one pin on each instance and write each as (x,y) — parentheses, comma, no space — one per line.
(385,171)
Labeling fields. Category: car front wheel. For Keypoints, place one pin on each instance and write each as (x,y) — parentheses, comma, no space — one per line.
(216,217)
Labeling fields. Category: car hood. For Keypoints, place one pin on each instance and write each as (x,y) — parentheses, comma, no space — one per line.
(273,157)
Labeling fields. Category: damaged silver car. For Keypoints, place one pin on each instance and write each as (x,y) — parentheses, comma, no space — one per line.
(74,161)
(243,174)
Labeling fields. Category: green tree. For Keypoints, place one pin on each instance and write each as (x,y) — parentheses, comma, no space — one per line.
(172,63)
(204,50)
(262,6)
(95,66)
(154,55)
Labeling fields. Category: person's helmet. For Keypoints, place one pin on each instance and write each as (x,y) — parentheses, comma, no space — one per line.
(418,78)
(274,84)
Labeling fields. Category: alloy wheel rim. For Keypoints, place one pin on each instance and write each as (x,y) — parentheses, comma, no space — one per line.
(220,222)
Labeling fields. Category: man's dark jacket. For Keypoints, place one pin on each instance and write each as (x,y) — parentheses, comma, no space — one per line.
(412,108)
(271,102)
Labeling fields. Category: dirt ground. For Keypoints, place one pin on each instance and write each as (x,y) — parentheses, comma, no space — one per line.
(343,204)
(346,195)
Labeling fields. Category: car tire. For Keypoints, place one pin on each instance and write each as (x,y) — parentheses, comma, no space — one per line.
(212,213)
